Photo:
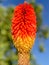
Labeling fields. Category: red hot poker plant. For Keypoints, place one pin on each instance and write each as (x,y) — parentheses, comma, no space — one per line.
(24,31)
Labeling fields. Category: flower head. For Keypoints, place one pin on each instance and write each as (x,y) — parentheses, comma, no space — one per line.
(24,27)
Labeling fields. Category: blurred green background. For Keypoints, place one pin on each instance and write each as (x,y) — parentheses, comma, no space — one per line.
(8,53)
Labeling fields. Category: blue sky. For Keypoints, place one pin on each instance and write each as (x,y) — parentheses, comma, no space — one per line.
(45,10)
(41,58)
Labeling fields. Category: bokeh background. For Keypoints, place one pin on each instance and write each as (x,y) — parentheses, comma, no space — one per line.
(39,54)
